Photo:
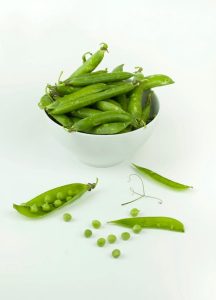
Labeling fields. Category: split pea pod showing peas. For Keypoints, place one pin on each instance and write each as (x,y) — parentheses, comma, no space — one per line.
(90,64)
(51,200)
(165,223)
(87,100)
(87,79)
(86,124)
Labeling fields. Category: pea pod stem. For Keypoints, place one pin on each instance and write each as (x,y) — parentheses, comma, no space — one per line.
(165,223)
(168,182)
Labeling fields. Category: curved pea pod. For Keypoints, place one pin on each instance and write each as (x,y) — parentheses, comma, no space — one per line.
(63,120)
(146,112)
(68,99)
(155,81)
(91,78)
(74,104)
(108,106)
(45,101)
(54,199)
(110,128)
(86,124)
(85,112)
(165,223)
(90,64)
(173,184)
(118,68)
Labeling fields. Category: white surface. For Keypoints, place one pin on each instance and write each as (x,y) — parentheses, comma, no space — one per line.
(49,259)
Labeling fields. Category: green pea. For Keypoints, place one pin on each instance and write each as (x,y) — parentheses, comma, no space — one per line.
(48,199)
(46,207)
(60,196)
(34,208)
(111,238)
(125,236)
(57,203)
(96,224)
(68,198)
(134,212)
(67,217)
(70,193)
(116,253)
(87,233)
(101,242)
(137,228)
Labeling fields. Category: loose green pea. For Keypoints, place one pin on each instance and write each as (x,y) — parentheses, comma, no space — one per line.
(57,203)
(111,238)
(87,233)
(96,224)
(34,208)
(137,228)
(60,196)
(48,199)
(67,217)
(134,212)
(46,207)
(68,198)
(101,242)
(125,236)
(116,253)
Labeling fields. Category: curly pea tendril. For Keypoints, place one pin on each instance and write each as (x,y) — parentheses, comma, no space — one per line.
(143,195)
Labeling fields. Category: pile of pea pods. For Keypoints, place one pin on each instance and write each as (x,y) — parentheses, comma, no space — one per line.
(102,102)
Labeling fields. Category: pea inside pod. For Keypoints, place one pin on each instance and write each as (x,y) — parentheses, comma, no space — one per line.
(40,206)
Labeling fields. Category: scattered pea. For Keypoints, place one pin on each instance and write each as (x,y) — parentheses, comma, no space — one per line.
(116,253)
(96,224)
(67,217)
(101,242)
(34,208)
(137,228)
(46,207)
(125,236)
(57,203)
(111,238)
(60,195)
(134,212)
(48,199)
(87,233)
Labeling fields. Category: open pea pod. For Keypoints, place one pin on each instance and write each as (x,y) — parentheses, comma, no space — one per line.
(165,223)
(53,199)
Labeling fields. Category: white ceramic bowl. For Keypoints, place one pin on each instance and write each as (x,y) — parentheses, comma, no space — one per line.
(106,150)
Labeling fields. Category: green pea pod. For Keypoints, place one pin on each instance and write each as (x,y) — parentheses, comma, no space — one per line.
(90,64)
(100,71)
(63,120)
(165,223)
(114,102)
(135,102)
(68,99)
(63,89)
(118,68)
(91,78)
(153,81)
(53,199)
(123,101)
(161,179)
(146,112)
(85,112)
(74,104)
(108,106)
(110,128)
(45,101)
(86,124)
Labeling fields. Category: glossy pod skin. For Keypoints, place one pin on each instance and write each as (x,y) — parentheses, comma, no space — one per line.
(146,112)
(87,79)
(92,98)
(88,90)
(90,64)
(108,106)
(86,124)
(51,200)
(45,101)
(170,183)
(85,112)
(153,81)
(63,120)
(165,223)
(135,102)
(63,89)
(110,128)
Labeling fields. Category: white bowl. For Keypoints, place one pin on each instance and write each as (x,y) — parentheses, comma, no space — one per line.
(106,150)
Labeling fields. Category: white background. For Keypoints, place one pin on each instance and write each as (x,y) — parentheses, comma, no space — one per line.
(49,259)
